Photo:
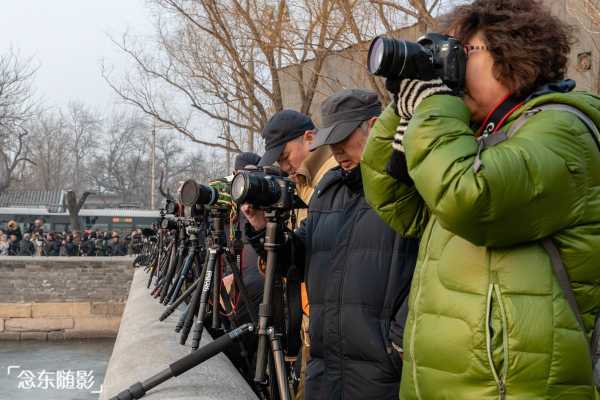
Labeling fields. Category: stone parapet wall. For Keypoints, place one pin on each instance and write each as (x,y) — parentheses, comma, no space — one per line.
(64,279)
(56,298)
(58,321)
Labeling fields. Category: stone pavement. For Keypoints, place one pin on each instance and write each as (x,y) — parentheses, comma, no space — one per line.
(145,346)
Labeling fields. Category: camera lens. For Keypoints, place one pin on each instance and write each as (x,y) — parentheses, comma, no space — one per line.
(258,190)
(376,55)
(238,188)
(393,58)
(193,193)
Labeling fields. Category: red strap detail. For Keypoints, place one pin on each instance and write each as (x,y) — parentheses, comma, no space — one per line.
(489,115)
(508,114)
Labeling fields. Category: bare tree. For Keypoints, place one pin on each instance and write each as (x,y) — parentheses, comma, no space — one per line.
(74,205)
(223,59)
(120,167)
(49,150)
(17,105)
(83,127)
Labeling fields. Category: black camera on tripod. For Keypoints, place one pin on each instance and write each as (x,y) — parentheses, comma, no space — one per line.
(194,194)
(266,188)
(199,197)
(432,56)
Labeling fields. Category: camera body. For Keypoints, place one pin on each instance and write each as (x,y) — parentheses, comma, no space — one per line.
(265,188)
(433,56)
(197,198)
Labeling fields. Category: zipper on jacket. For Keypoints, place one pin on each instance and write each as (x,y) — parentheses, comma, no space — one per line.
(416,307)
(340,300)
(494,289)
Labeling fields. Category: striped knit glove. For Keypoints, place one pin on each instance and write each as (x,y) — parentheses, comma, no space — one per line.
(410,94)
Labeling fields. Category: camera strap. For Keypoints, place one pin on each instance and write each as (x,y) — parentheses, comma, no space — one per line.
(498,116)
(489,134)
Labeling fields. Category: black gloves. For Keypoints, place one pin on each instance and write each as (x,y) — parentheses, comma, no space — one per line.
(410,93)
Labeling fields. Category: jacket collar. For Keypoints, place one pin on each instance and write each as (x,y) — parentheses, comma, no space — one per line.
(352,179)
(562,86)
(310,166)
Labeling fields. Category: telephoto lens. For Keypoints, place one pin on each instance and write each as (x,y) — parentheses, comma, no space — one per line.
(433,56)
(393,58)
(255,188)
(193,193)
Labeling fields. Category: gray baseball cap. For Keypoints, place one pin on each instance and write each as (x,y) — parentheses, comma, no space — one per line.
(343,112)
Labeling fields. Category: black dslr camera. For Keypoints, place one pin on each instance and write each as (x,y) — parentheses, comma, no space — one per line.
(194,194)
(432,56)
(200,198)
(266,188)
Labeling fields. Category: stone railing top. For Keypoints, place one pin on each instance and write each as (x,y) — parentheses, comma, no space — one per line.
(146,346)
(64,259)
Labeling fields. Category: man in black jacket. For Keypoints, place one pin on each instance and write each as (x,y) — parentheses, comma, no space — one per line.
(71,246)
(26,246)
(116,247)
(13,245)
(357,269)
(88,245)
(52,245)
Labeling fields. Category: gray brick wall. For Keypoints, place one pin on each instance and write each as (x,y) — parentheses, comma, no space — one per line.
(64,279)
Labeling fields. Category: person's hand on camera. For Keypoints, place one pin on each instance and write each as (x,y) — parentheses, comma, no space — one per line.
(255,217)
(410,93)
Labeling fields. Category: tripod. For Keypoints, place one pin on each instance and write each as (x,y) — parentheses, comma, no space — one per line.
(269,326)
(176,259)
(193,257)
(212,281)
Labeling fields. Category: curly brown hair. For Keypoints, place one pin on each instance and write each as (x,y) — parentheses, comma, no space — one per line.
(530,46)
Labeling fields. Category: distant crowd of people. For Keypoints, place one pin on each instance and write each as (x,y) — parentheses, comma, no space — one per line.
(35,242)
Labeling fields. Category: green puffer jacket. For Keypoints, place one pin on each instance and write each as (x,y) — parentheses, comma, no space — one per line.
(487,317)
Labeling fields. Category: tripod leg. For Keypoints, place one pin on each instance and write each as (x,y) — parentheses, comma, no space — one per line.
(265,309)
(280,374)
(208,281)
(194,303)
(182,276)
(139,389)
(172,307)
(181,264)
(182,319)
(174,261)
(159,264)
(153,268)
(216,292)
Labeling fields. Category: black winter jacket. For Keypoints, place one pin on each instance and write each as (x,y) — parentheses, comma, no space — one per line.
(26,248)
(52,248)
(358,272)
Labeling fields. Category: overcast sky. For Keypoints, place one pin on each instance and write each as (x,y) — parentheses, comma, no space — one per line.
(68,39)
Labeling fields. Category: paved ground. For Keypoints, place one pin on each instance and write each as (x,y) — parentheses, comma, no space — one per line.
(65,370)
(146,346)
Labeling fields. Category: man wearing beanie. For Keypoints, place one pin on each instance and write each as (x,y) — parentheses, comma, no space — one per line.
(357,269)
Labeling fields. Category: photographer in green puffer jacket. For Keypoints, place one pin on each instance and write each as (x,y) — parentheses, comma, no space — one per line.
(483,180)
